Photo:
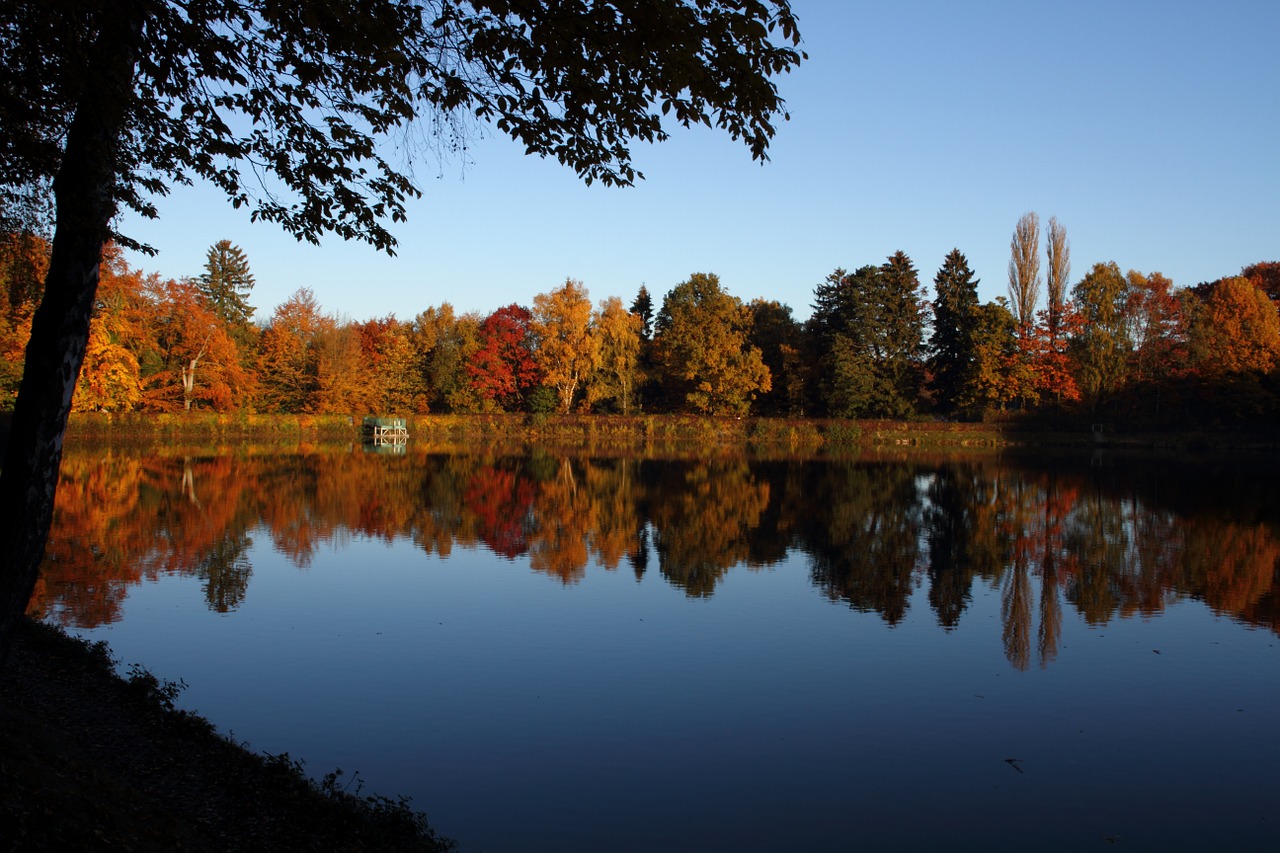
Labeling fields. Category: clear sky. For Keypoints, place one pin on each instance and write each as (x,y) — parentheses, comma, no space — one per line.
(1150,129)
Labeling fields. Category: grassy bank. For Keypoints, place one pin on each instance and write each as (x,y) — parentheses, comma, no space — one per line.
(594,431)
(92,761)
(646,434)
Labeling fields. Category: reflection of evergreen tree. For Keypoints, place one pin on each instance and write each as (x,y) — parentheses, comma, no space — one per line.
(639,558)
(863,535)
(225,570)
(950,524)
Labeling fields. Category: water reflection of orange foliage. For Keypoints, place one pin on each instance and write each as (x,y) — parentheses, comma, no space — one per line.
(564,515)
(1039,537)
(119,519)
(1232,566)
(704,521)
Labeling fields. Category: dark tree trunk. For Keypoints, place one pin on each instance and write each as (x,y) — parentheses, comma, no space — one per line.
(85,190)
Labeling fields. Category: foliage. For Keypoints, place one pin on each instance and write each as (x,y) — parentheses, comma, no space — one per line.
(1102,346)
(1024,272)
(502,369)
(779,338)
(1058,249)
(289,358)
(615,375)
(1234,329)
(704,350)
(990,382)
(567,347)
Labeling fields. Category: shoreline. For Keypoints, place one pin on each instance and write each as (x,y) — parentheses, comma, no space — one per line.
(90,760)
(655,433)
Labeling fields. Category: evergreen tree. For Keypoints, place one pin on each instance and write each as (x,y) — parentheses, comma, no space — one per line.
(643,308)
(869,328)
(951,346)
(227,282)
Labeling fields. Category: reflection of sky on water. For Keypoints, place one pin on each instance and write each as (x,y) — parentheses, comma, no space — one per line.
(523,714)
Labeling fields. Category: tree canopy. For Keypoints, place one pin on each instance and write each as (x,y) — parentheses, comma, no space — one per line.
(233,91)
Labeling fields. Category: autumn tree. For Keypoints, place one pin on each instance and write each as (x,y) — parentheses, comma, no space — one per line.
(121,351)
(1024,272)
(24,261)
(1153,326)
(1101,348)
(197,358)
(1265,275)
(396,383)
(343,379)
(615,374)
(502,369)
(704,352)
(991,382)
(1234,330)
(566,342)
(288,354)
(109,103)
(952,343)
(443,344)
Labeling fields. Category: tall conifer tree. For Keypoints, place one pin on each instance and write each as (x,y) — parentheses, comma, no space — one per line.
(954,316)
(227,282)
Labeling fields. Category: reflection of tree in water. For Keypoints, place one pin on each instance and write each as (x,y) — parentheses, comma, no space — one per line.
(562,519)
(704,520)
(225,570)
(955,494)
(863,529)
(501,497)
(1112,541)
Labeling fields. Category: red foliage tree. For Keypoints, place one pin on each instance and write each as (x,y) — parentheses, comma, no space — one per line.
(503,370)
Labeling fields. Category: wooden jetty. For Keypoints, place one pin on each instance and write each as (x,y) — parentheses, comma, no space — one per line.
(383,432)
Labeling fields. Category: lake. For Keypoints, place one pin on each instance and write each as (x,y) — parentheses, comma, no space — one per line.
(571,653)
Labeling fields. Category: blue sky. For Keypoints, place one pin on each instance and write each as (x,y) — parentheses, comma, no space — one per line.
(1150,129)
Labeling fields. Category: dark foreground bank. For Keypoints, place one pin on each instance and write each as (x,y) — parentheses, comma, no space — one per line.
(92,761)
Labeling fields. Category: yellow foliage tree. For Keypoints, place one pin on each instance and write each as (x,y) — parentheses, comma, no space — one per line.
(567,346)
(617,333)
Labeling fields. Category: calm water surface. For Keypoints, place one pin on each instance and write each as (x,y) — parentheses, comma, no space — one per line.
(553,653)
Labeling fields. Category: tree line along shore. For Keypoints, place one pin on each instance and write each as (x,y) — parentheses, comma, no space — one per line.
(1114,347)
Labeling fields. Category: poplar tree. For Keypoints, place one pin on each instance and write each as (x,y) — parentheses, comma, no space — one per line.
(1058,250)
(1024,273)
